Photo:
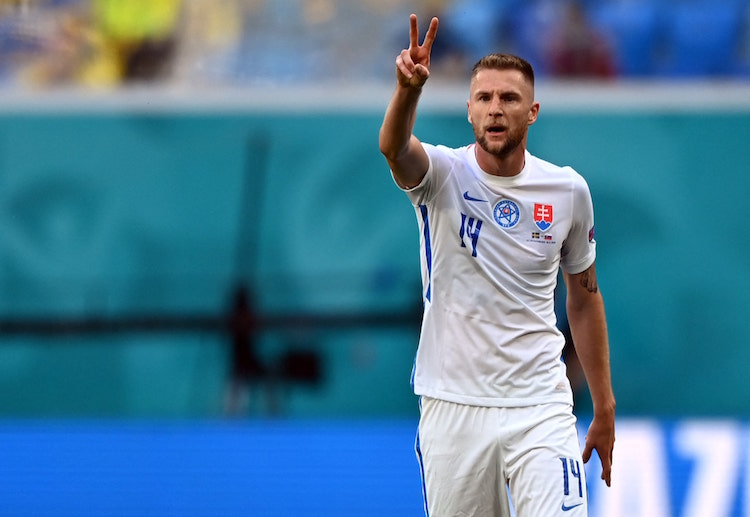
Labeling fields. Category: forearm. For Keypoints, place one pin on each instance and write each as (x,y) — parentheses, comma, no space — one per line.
(589,329)
(398,123)
(403,151)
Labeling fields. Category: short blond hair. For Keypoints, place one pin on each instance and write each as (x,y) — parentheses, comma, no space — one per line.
(504,62)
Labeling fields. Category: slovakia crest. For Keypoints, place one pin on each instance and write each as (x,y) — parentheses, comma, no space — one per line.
(542,216)
(506,213)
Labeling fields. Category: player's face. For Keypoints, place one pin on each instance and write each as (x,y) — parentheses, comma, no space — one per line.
(501,109)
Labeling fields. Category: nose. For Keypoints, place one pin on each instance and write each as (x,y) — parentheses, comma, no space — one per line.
(495,106)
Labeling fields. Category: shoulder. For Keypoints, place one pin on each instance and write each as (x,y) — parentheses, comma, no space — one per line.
(445,161)
(549,167)
(447,153)
(564,173)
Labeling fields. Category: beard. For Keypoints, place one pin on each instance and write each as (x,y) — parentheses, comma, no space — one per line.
(513,139)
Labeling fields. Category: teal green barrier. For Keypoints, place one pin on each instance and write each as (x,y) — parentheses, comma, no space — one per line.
(117,214)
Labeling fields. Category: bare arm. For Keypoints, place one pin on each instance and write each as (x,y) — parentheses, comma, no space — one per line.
(588,326)
(403,151)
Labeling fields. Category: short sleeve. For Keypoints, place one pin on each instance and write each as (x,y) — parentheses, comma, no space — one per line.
(439,168)
(579,248)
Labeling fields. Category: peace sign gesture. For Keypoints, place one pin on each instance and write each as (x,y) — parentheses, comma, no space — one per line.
(413,64)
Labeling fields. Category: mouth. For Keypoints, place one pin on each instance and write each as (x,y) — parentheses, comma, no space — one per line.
(496,130)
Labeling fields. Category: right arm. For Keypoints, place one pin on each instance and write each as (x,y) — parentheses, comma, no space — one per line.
(403,151)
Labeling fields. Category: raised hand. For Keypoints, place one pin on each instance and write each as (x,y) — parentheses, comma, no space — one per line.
(413,64)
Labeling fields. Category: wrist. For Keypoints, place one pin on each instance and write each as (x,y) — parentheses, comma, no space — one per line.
(409,90)
(604,408)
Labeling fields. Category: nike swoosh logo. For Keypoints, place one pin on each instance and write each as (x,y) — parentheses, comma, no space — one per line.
(568,508)
(467,197)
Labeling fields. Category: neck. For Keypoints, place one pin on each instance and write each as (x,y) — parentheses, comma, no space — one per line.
(495,165)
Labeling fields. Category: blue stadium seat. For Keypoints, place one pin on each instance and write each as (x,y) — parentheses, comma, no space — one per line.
(633,27)
(476,27)
(533,22)
(702,38)
(742,64)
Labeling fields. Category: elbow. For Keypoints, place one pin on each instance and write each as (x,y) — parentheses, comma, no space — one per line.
(385,150)
(592,303)
(388,149)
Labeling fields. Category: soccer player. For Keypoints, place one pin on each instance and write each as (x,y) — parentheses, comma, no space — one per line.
(496,223)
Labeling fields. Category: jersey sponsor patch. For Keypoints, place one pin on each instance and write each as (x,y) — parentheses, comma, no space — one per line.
(543,216)
(506,213)
(591,234)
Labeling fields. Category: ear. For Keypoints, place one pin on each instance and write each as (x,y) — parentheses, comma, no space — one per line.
(533,113)
(468,112)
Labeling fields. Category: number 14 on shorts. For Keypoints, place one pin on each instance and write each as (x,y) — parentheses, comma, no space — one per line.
(571,479)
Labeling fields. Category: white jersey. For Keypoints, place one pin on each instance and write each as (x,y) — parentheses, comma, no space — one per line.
(491,248)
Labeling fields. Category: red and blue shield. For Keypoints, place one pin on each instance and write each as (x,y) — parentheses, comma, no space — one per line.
(542,216)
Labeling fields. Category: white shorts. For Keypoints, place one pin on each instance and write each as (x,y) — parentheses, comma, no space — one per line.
(473,457)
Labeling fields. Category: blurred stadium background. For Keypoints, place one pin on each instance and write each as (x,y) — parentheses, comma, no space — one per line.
(210,287)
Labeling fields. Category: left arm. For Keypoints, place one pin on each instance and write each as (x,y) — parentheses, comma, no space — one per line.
(588,325)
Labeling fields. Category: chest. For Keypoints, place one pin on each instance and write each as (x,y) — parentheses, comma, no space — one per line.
(520,229)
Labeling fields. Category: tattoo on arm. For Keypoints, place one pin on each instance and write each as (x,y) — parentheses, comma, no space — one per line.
(588,280)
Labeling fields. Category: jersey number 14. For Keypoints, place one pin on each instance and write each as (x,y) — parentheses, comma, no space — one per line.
(470,228)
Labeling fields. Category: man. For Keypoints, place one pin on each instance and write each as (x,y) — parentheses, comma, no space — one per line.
(496,223)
